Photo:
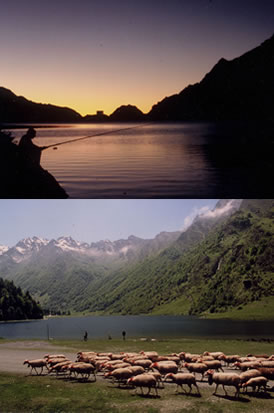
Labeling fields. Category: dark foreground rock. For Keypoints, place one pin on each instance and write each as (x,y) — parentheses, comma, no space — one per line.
(24,180)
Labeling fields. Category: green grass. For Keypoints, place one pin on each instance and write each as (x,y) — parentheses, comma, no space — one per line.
(257,310)
(229,346)
(53,395)
(48,394)
(241,347)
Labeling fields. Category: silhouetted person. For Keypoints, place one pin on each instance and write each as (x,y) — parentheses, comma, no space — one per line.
(86,336)
(30,154)
(124,335)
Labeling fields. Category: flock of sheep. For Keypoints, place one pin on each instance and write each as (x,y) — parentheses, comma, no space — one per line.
(150,370)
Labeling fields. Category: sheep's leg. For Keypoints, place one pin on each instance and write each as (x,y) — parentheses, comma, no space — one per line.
(224,389)
(190,387)
(195,384)
(156,392)
(217,385)
(237,392)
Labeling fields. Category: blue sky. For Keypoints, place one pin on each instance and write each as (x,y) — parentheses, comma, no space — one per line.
(93,220)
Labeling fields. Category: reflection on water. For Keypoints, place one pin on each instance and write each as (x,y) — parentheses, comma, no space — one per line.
(160,160)
(137,326)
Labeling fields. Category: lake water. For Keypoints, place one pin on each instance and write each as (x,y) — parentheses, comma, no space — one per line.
(174,160)
(136,327)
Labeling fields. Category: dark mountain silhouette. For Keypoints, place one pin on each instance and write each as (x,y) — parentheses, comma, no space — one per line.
(127,113)
(98,118)
(240,89)
(18,109)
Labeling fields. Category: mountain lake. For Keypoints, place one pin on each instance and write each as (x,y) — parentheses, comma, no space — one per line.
(148,327)
(152,160)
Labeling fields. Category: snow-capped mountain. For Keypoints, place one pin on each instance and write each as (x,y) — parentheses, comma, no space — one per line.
(3,249)
(25,248)
(124,248)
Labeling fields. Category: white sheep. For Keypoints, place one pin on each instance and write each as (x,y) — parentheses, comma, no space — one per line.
(214,365)
(144,380)
(249,374)
(258,382)
(146,363)
(214,354)
(267,372)
(225,379)
(38,363)
(59,367)
(228,359)
(267,363)
(165,367)
(137,370)
(121,374)
(183,378)
(247,365)
(196,368)
(85,369)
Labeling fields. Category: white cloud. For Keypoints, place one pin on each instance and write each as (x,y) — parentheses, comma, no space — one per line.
(194,213)
(218,212)
(206,212)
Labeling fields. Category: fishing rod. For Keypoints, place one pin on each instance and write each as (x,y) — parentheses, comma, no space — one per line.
(95,135)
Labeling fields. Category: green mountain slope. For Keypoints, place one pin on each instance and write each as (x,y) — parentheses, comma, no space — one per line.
(232,266)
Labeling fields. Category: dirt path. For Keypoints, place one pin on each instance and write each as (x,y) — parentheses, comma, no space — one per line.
(12,355)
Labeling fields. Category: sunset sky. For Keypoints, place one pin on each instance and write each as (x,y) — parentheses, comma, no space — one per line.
(99,54)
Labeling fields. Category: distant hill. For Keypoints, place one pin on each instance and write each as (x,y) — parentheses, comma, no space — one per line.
(127,113)
(240,89)
(16,305)
(18,109)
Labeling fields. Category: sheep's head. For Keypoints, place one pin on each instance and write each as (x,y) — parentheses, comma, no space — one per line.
(209,374)
(26,362)
(169,376)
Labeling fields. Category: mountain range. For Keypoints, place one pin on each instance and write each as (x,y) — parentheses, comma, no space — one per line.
(223,261)
(240,89)
(65,274)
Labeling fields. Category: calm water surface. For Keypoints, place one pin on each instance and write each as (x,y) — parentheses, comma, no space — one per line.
(137,326)
(181,160)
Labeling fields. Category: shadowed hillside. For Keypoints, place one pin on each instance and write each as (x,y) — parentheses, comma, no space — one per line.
(238,89)
(18,109)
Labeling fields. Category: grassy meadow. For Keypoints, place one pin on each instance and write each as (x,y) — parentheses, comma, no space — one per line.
(24,393)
